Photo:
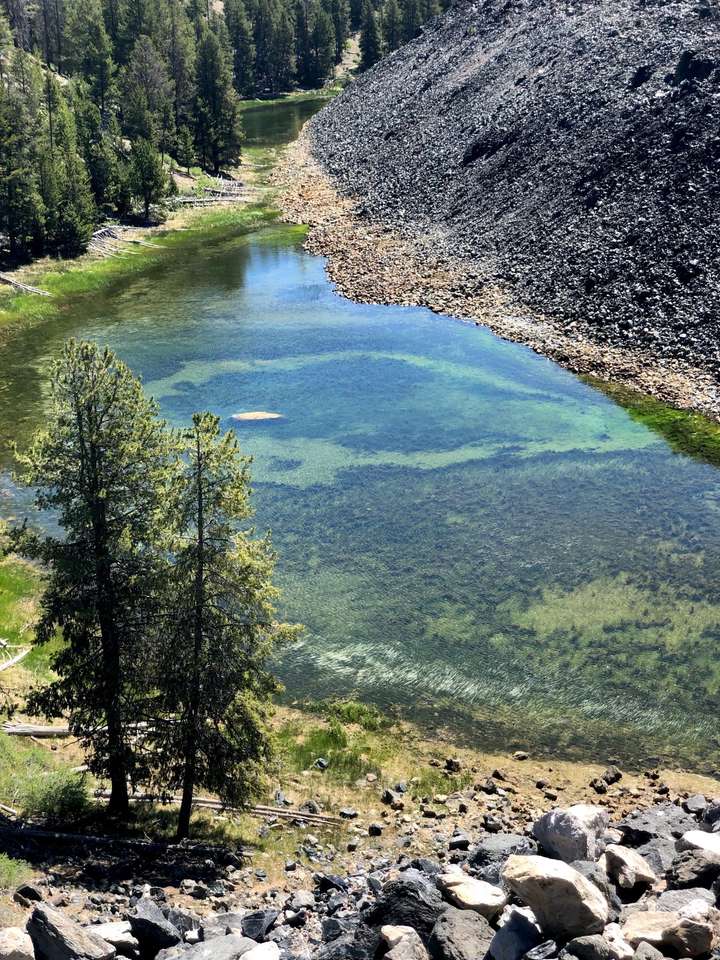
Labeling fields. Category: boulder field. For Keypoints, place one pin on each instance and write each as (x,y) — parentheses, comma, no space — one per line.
(568,151)
(574,886)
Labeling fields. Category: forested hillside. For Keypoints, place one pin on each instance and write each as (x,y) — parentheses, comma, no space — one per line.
(95,95)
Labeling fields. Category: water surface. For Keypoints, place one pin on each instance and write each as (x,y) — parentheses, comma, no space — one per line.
(468,531)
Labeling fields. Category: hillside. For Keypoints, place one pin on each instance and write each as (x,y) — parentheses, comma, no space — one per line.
(569,151)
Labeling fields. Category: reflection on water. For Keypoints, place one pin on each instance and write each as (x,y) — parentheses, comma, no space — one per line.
(467,530)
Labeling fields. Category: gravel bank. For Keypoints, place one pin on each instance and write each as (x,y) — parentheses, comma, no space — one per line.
(548,169)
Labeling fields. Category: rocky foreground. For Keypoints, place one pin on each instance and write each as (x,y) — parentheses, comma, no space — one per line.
(572,886)
(553,166)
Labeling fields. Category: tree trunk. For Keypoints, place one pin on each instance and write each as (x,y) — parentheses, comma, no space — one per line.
(191,744)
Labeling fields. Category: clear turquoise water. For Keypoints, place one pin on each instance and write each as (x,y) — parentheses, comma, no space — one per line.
(468,532)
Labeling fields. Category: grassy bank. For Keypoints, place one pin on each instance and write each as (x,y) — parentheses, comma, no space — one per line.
(69,280)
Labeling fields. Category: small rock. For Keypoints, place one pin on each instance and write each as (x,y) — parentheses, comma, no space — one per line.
(626,867)
(470,894)
(690,937)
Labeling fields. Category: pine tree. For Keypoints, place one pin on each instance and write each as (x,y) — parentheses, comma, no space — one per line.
(243,46)
(149,182)
(214,681)
(410,19)
(89,51)
(21,207)
(148,96)
(179,52)
(283,51)
(392,25)
(303,51)
(370,41)
(322,45)
(186,148)
(217,111)
(339,12)
(98,465)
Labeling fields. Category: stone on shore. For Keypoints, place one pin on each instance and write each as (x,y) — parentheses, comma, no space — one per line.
(57,937)
(626,867)
(565,903)
(118,934)
(151,927)
(470,894)
(460,935)
(15,944)
(700,840)
(517,934)
(574,833)
(687,936)
(403,943)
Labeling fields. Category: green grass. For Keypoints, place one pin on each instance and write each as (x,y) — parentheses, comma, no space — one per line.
(13,872)
(39,782)
(19,587)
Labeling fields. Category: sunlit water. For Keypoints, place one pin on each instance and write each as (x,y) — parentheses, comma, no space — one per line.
(467,531)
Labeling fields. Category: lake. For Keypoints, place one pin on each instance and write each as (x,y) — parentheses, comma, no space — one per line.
(470,534)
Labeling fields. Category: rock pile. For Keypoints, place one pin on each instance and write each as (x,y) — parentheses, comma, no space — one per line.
(575,887)
(568,151)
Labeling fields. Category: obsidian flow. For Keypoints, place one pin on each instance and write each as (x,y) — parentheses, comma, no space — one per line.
(573,149)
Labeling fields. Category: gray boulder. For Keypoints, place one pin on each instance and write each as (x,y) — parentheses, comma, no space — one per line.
(573,833)
(515,937)
(489,856)
(693,868)
(225,948)
(594,872)
(119,934)
(646,951)
(57,937)
(361,944)
(663,820)
(593,947)
(151,927)
(677,900)
(258,923)
(410,900)
(659,853)
(460,935)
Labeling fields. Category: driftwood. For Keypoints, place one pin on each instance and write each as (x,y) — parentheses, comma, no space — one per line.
(17,729)
(13,660)
(24,287)
(257,810)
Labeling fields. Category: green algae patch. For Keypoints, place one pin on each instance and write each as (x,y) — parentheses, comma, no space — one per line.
(686,432)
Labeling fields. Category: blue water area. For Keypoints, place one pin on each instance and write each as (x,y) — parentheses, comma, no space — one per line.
(469,533)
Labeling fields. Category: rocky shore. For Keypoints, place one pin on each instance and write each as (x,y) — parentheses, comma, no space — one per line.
(602,880)
(372,261)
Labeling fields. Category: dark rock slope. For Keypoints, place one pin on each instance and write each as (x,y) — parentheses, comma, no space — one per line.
(572,149)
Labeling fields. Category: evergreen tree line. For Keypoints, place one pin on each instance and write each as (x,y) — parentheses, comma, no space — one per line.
(161,592)
(385,25)
(96,94)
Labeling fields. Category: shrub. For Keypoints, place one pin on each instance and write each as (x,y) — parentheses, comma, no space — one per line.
(55,795)
(12,872)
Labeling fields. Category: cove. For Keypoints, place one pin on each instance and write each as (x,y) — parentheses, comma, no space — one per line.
(470,533)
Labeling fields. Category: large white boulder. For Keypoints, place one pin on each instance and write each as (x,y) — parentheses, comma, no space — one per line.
(626,867)
(700,840)
(564,902)
(15,944)
(687,936)
(572,833)
(471,894)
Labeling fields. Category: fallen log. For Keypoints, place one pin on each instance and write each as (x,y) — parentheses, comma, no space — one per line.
(25,287)
(13,729)
(13,660)
(257,810)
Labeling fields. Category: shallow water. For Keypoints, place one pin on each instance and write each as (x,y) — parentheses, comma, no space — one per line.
(467,530)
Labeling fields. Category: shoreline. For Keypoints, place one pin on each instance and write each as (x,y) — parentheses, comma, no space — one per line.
(371,262)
